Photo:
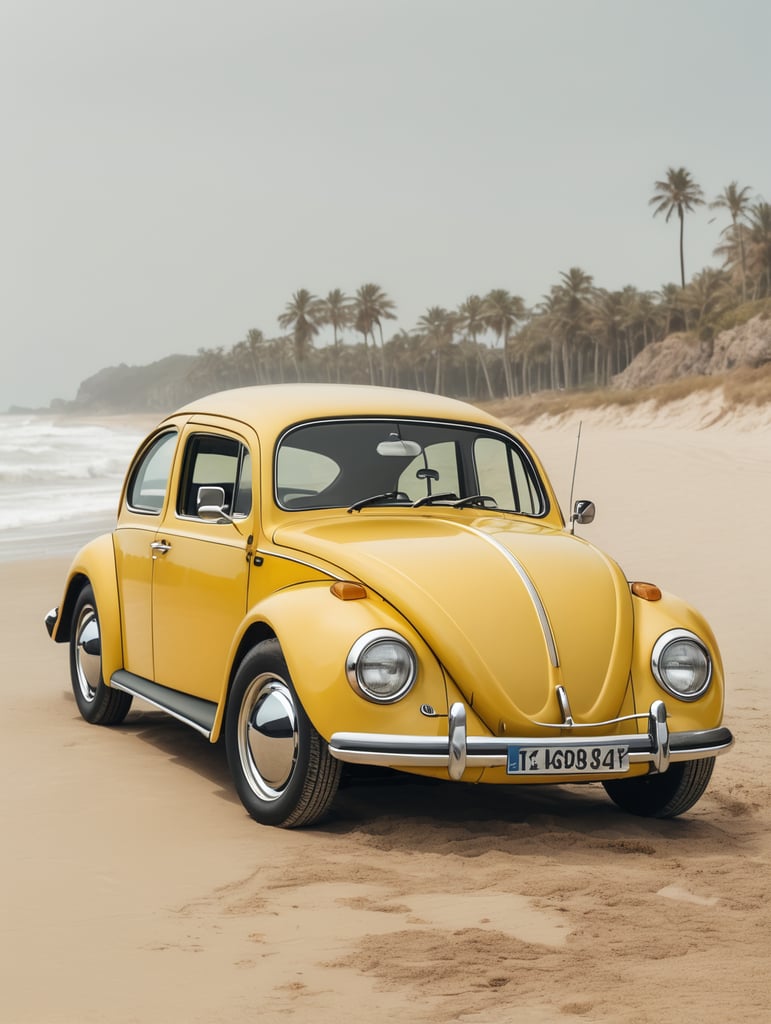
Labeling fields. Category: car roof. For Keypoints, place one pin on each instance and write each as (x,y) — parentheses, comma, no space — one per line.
(274,406)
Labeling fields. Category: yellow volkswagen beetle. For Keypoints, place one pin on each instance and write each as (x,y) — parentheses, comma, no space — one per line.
(348,575)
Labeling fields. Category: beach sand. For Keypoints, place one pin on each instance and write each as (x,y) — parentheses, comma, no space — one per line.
(136,889)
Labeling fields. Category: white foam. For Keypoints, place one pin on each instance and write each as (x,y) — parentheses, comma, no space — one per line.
(56,476)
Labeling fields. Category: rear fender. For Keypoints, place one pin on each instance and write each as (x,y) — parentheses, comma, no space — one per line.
(316,631)
(95,564)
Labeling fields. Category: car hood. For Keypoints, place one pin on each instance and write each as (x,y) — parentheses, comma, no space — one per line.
(512,609)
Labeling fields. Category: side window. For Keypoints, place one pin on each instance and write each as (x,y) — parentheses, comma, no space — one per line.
(242,503)
(147,487)
(212,460)
(503,474)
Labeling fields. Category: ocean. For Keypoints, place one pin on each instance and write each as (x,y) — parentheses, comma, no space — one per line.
(60,482)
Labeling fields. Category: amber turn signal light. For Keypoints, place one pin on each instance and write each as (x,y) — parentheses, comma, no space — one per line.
(345,590)
(647,591)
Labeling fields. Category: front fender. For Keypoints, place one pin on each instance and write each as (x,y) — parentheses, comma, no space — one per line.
(316,631)
(95,564)
(652,618)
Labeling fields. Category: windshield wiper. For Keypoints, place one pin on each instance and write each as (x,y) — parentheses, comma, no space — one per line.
(431,499)
(374,499)
(476,499)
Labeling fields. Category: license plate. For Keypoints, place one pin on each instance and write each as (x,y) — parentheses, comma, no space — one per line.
(592,759)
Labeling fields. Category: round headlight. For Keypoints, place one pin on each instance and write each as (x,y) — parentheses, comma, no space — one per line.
(381,666)
(681,664)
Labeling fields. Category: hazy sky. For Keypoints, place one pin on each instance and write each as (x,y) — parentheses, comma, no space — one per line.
(172,170)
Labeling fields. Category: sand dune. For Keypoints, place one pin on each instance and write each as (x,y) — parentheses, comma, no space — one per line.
(136,889)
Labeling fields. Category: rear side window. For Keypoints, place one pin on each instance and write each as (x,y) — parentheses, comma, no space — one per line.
(213,460)
(150,479)
(503,474)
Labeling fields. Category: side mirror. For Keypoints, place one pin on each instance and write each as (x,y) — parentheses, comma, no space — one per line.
(583,512)
(211,505)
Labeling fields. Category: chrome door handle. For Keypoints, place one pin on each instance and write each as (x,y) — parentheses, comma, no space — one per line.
(160,546)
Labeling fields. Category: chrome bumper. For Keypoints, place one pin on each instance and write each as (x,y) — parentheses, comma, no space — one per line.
(459,751)
(50,620)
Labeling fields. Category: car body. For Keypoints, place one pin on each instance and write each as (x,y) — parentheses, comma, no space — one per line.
(331,575)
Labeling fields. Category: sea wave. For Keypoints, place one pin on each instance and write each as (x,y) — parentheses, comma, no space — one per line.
(56,477)
(55,469)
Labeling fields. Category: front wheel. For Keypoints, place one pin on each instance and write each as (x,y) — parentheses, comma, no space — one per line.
(666,795)
(97,703)
(282,769)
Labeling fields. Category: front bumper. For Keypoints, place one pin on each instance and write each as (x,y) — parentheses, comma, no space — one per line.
(459,751)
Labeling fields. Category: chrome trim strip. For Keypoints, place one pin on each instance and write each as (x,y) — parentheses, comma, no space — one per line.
(564,703)
(591,725)
(301,561)
(535,597)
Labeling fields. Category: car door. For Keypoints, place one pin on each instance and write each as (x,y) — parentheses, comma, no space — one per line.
(201,568)
(139,520)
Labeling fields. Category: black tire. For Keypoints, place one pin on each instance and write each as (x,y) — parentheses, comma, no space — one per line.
(666,795)
(97,703)
(282,769)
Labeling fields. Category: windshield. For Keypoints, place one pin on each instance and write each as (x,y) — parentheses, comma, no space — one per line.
(358,462)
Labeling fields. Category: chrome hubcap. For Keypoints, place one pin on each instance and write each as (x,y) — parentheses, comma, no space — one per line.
(88,658)
(268,736)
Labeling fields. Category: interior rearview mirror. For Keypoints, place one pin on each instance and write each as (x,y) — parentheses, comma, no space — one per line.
(399,448)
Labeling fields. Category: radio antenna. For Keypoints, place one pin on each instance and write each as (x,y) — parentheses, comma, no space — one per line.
(573,481)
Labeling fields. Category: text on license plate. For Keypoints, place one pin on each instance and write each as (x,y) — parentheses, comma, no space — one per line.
(526,759)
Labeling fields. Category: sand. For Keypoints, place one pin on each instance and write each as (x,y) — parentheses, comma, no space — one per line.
(136,889)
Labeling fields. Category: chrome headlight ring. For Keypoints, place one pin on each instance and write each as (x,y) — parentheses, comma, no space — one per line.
(381,666)
(681,664)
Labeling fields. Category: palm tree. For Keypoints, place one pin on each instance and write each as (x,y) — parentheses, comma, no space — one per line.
(302,316)
(678,192)
(436,327)
(672,308)
(402,359)
(471,321)
(759,247)
(706,298)
(572,308)
(737,201)
(371,306)
(639,317)
(253,345)
(607,327)
(503,311)
(336,310)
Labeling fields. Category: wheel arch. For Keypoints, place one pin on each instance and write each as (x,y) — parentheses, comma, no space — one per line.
(254,634)
(95,565)
(315,631)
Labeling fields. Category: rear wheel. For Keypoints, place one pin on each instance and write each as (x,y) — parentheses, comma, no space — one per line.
(666,795)
(282,769)
(97,703)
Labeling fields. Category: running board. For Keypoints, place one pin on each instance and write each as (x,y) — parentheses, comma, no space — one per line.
(193,711)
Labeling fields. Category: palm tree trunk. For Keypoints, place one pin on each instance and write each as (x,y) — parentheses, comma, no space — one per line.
(485,373)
